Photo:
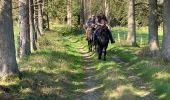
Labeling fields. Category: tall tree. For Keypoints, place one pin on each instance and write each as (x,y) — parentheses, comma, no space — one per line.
(153,26)
(85,10)
(82,12)
(24,28)
(69,12)
(166,30)
(8,64)
(131,38)
(37,31)
(106,8)
(32,26)
(90,7)
(47,16)
(40,16)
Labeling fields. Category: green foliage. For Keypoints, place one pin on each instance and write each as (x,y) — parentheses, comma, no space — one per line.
(56,8)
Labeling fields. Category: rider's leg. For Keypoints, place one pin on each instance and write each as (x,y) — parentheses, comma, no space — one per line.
(111,37)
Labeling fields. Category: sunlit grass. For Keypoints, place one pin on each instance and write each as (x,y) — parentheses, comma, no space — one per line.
(152,70)
(55,71)
(52,72)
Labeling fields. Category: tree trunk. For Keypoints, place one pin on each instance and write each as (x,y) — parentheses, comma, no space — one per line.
(153,27)
(47,16)
(90,7)
(8,64)
(69,12)
(82,12)
(40,17)
(166,30)
(86,15)
(24,28)
(106,8)
(32,26)
(131,38)
(48,22)
(37,31)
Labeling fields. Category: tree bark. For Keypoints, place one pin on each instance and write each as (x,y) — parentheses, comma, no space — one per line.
(153,27)
(40,17)
(69,12)
(106,8)
(90,7)
(38,34)
(131,38)
(82,21)
(8,64)
(48,21)
(86,15)
(24,28)
(166,30)
(32,26)
(47,16)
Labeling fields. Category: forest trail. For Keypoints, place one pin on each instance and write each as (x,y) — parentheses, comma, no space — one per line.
(63,69)
(131,87)
(90,91)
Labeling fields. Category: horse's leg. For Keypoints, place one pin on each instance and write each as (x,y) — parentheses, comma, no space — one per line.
(104,54)
(99,52)
(95,45)
(105,48)
(92,45)
(89,45)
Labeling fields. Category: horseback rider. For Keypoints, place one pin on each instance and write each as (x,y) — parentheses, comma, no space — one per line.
(101,21)
(91,22)
(88,22)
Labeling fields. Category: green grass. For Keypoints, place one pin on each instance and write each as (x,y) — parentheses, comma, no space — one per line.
(152,70)
(52,72)
(112,78)
(55,71)
(142,34)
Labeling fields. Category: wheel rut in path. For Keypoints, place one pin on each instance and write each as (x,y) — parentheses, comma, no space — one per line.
(90,92)
(135,79)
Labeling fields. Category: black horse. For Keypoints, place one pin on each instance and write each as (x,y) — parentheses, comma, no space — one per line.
(102,36)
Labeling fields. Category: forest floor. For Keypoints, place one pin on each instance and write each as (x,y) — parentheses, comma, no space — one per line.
(63,69)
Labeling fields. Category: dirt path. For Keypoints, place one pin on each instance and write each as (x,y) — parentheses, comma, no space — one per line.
(90,92)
